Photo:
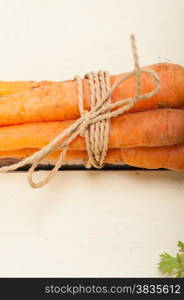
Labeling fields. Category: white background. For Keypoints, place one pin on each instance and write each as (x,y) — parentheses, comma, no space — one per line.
(88,223)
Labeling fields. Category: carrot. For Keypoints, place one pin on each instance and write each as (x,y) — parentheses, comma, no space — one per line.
(13,87)
(59,101)
(159,127)
(113,156)
(169,157)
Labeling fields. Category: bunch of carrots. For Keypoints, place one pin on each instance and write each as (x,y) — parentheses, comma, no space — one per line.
(150,135)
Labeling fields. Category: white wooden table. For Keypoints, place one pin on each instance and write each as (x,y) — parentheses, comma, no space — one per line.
(88,223)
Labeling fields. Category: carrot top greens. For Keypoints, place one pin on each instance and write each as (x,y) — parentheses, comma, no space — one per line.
(171,265)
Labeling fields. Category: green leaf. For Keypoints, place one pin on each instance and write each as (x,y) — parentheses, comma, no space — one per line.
(168,264)
(180,246)
(171,265)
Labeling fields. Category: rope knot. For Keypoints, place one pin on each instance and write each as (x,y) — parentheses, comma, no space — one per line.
(85,123)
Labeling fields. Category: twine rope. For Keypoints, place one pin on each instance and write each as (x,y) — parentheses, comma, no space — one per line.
(94,125)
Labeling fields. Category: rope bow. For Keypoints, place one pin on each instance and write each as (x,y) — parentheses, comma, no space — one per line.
(94,124)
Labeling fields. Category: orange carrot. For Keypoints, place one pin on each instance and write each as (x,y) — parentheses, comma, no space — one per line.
(13,87)
(113,156)
(159,127)
(169,157)
(59,101)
